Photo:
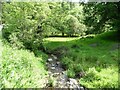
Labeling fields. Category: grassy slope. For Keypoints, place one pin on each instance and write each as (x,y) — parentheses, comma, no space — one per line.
(21,69)
(99,62)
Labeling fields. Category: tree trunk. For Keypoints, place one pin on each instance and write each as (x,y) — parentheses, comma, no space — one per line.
(62,34)
(42,48)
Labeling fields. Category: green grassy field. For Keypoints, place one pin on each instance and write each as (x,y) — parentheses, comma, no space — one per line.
(93,61)
(21,68)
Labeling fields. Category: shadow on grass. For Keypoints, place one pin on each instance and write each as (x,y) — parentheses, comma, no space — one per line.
(110,36)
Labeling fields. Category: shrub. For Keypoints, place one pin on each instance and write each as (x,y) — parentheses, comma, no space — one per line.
(106,78)
(21,69)
(15,42)
(66,61)
(77,68)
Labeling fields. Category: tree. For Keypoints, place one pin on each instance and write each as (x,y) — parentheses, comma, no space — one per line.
(97,15)
(24,29)
(73,26)
(59,13)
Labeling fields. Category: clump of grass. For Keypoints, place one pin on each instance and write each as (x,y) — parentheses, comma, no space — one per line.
(50,82)
(70,73)
(106,78)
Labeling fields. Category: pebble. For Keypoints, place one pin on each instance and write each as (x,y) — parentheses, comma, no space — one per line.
(50,59)
(52,67)
(81,88)
(56,74)
(73,81)
(54,57)
(57,63)
(49,72)
(71,87)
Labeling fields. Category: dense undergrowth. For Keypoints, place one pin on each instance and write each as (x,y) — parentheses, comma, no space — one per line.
(93,60)
(21,68)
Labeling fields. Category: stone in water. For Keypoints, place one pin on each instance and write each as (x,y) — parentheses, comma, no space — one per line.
(50,59)
(57,63)
(54,56)
(81,88)
(52,67)
(73,81)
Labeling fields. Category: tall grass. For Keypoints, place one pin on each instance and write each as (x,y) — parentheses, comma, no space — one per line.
(21,69)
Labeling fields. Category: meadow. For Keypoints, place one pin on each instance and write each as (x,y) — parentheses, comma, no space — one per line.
(92,60)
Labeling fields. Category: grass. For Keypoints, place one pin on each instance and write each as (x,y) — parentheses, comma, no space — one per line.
(96,59)
(21,68)
(60,39)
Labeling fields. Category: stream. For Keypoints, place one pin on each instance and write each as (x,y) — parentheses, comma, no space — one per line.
(61,80)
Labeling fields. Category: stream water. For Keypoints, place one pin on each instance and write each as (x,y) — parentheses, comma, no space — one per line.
(58,73)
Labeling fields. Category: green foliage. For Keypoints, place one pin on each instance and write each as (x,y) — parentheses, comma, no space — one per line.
(21,69)
(15,42)
(27,29)
(24,29)
(96,18)
(67,61)
(106,78)
(70,73)
(73,26)
(51,82)
(59,21)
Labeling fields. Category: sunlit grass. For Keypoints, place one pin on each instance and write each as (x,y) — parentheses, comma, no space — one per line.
(60,39)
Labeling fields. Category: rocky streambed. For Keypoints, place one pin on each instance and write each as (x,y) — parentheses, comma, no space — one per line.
(57,76)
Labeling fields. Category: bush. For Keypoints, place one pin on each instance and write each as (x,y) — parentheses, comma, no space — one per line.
(21,29)
(106,78)
(21,69)
(15,42)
